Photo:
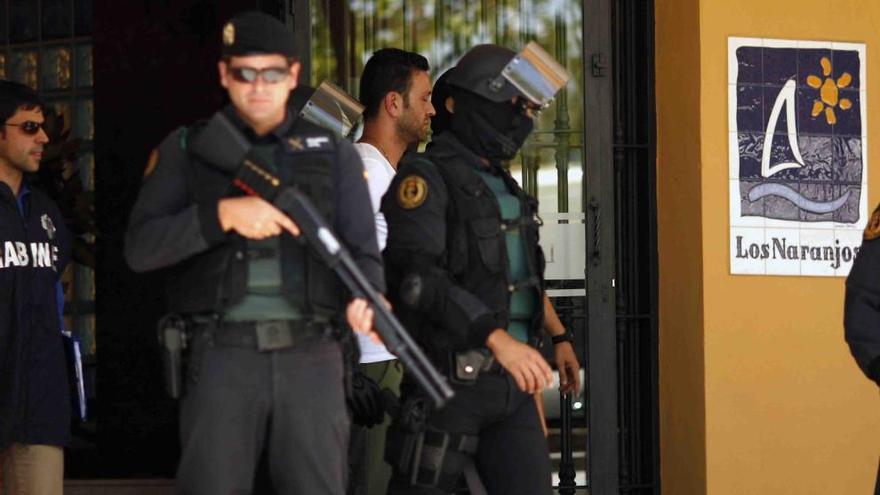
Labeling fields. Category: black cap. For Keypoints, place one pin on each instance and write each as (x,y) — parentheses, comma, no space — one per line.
(479,71)
(254,33)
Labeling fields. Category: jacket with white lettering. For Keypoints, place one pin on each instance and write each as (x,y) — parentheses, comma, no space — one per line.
(34,387)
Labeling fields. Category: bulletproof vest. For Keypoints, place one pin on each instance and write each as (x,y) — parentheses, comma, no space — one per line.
(217,278)
(476,250)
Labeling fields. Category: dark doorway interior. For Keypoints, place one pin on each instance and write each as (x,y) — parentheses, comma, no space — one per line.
(155,67)
(634,145)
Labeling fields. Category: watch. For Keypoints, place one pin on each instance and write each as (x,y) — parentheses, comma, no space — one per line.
(567,336)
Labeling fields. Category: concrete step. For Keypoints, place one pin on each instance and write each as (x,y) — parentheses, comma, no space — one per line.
(119,487)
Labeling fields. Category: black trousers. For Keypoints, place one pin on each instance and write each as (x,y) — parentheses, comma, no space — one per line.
(240,401)
(512,457)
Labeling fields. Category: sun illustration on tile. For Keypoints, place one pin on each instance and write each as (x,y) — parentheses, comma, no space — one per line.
(829,92)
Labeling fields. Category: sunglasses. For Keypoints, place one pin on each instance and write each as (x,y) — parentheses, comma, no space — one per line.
(29,127)
(269,75)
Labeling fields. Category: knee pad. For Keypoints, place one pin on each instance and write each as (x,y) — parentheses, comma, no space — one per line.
(430,458)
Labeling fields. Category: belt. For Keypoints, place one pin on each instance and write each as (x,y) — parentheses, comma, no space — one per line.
(466,366)
(268,335)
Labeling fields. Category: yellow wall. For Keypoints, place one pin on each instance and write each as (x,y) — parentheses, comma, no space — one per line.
(784,408)
(682,414)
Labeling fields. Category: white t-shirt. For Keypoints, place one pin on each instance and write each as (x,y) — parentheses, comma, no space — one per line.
(379,176)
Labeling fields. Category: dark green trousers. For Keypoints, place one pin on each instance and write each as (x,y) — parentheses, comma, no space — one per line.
(370,473)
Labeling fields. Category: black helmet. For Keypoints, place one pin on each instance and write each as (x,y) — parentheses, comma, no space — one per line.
(479,71)
(498,74)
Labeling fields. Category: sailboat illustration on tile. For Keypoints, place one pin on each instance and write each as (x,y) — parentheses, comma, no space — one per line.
(786,100)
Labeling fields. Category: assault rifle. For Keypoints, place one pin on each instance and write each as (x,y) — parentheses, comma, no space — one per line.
(221,144)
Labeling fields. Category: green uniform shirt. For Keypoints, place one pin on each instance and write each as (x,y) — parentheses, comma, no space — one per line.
(522,300)
(263,299)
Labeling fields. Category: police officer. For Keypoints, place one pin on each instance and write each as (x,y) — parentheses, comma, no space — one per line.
(264,372)
(34,250)
(862,310)
(465,274)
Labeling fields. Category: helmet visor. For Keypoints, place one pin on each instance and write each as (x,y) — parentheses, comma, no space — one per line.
(332,108)
(536,74)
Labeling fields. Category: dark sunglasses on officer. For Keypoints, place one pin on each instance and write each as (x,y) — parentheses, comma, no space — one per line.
(269,75)
(28,127)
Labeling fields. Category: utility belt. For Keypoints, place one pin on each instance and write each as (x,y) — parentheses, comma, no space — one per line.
(269,335)
(426,456)
(430,457)
(466,366)
(176,332)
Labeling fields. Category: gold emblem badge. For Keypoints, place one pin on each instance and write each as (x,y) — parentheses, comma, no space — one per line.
(151,163)
(873,230)
(228,34)
(412,192)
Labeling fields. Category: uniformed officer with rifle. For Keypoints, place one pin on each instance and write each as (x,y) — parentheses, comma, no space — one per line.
(263,311)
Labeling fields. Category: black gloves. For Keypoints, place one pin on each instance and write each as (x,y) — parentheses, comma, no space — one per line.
(365,401)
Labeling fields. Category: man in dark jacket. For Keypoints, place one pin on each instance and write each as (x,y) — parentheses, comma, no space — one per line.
(34,393)
(264,373)
(861,314)
(862,309)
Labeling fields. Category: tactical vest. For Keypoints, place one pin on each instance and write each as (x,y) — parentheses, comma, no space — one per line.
(476,251)
(217,279)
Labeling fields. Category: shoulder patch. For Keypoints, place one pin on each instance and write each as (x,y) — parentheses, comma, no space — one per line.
(872,231)
(412,192)
(151,163)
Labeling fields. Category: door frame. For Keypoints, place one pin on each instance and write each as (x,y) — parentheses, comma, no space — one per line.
(599,199)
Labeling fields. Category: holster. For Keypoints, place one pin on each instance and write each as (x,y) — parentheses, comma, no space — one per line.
(426,456)
(351,355)
(172,344)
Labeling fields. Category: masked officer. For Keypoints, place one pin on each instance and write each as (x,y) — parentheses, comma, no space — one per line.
(465,274)
(862,309)
(264,371)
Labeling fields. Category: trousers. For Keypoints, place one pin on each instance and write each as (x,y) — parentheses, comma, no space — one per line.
(240,401)
(32,470)
(370,473)
(512,455)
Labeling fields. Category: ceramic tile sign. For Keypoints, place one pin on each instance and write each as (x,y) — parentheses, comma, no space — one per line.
(798,156)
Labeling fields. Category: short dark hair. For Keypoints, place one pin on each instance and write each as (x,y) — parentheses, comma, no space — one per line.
(16,96)
(389,69)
